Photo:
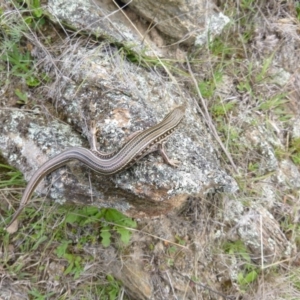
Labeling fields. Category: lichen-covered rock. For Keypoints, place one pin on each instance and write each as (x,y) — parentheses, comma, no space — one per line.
(120,101)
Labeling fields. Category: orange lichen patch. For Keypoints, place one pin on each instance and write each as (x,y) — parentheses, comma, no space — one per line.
(122,116)
(145,208)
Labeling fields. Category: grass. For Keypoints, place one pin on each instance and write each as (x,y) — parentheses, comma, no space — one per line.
(10,177)
(61,234)
(67,245)
(250,80)
(55,234)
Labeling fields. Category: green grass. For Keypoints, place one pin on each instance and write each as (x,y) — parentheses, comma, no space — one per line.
(292,151)
(112,227)
(10,176)
(15,56)
(63,231)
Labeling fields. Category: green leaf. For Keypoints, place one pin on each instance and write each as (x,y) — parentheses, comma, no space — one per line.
(93,214)
(114,216)
(69,268)
(128,222)
(250,277)
(32,81)
(245,255)
(61,249)
(113,294)
(38,12)
(90,210)
(22,96)
(110,278)
(40,241)
(240,278)
(125,234)
(105,235)
(72,217)
(206,88)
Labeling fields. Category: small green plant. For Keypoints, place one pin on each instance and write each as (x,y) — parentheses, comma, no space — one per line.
(13,49)
(265,67)
(294,150)
(297,7)
(291,228)
(221,109)
(32,12)
(142,59)
(113,221)
(245,87)
(275,103)
(172,250)
(37,295)
(35,7)
(21,65)
(110,223)
(23,99)
(180,240)
(281,153)
(245,84)
(208,87)
(75,265)
(218,47)
(250,272)
(296,158)
(113,288)
(253,167)
(247,4)
(247,277)
(230,135)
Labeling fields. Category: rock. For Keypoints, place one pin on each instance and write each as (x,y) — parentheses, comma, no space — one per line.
(259,231)
(120,101)
(143,26)
(136,280)
(188,22)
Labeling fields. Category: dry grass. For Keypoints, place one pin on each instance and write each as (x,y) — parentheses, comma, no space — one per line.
(251,110)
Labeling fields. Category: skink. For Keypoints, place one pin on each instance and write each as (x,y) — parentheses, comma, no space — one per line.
(107,164)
